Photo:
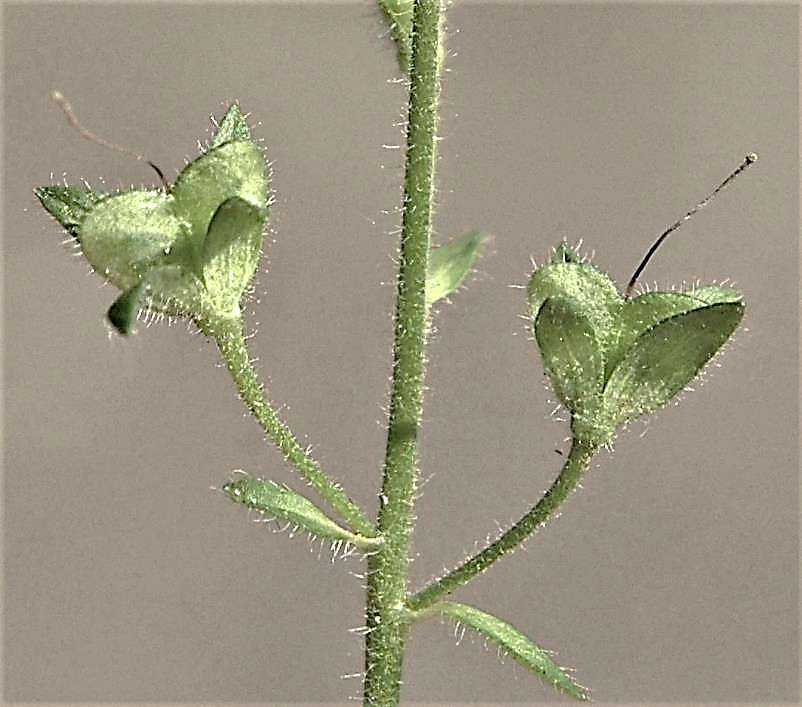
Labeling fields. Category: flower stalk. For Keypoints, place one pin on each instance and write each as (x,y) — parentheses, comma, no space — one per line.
(576,464)
(227,333)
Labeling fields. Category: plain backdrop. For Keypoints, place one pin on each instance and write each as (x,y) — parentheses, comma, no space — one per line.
(671,576)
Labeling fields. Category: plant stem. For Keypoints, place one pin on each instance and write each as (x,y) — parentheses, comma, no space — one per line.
(387,621)
(227,333)
(569,477)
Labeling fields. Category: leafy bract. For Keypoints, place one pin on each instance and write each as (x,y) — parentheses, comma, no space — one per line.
(287,505)
(512,641)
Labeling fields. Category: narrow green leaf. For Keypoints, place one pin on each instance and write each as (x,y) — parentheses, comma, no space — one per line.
(398,14)
(287,505)
(510,639)
(231,253)
(68,205)
(125,234)
(571,354)
(231,128)
(449,264)
(665,358)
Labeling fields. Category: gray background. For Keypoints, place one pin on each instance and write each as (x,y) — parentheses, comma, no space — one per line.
(672,576)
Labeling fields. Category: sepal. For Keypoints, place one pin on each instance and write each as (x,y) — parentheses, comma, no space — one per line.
(68,205)
(231,128)
(233,169)
(664,359)
(571,355)
(231,252)
(124,235)
(123,313)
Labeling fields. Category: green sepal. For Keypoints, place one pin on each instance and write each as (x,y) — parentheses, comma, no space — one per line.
(167,289)
(664,359)
(449,265)
(231,253)
(398,14)
(287,505)
(570,352)
(637,315)
(233,169)
(176,291)
(123,313)
(68,205)
(126,234)
(512,641)
(567,276)
(231,128)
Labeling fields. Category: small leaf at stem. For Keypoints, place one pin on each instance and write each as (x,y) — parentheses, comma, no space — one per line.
(511,640)
(287,505)
(449,265)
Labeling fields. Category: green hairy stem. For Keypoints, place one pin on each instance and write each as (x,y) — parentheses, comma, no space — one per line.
(387,569)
